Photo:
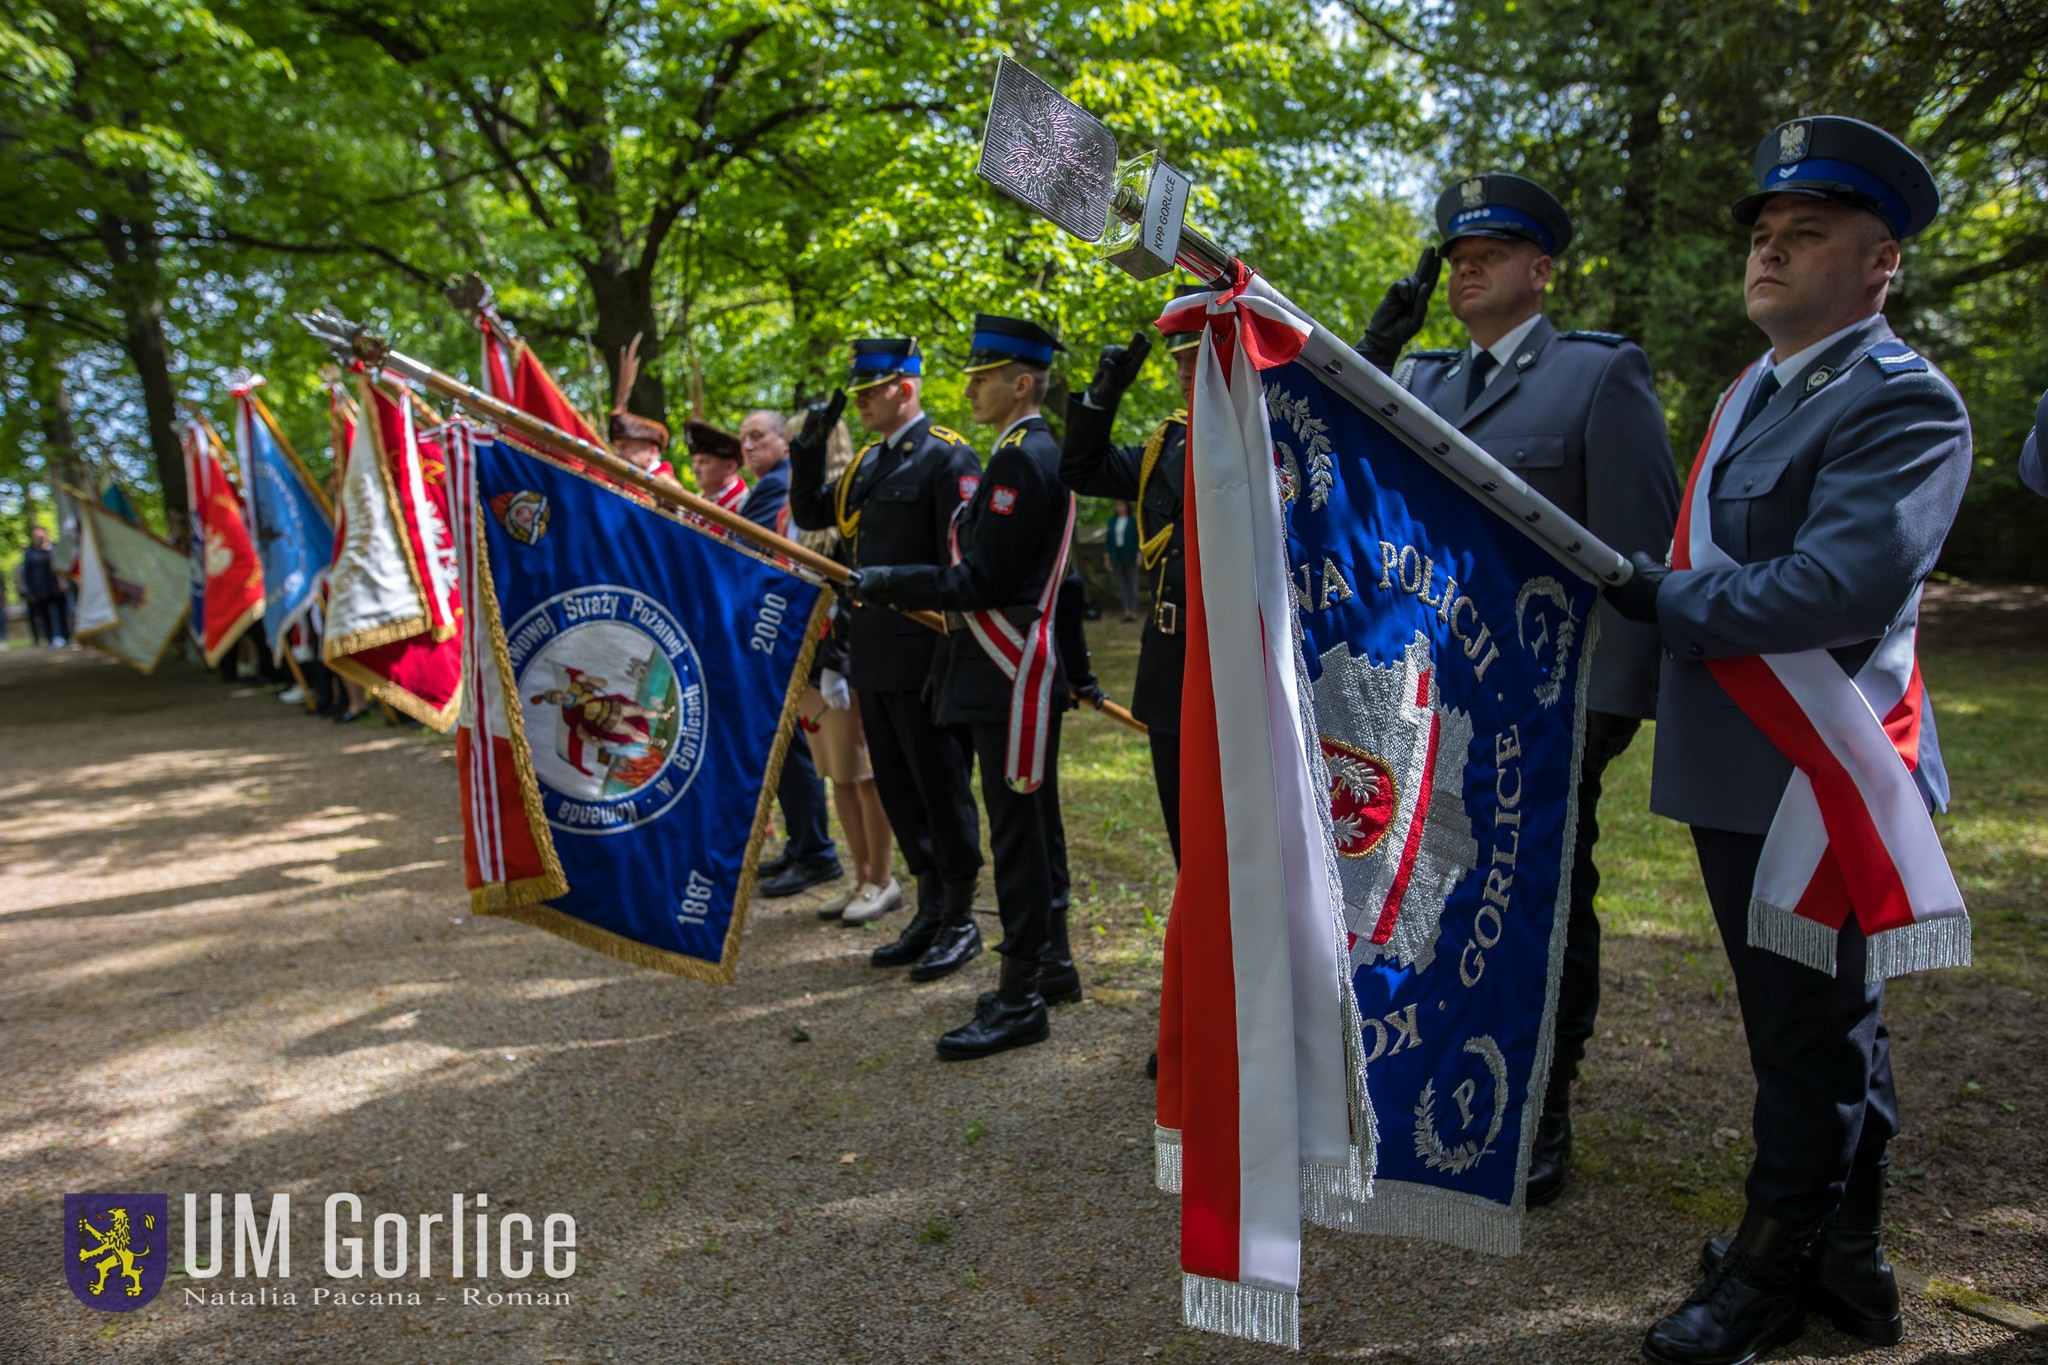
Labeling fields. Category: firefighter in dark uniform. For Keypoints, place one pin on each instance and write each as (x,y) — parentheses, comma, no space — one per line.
(1576,415)
(893,507)
(1000,589)
(1150,476)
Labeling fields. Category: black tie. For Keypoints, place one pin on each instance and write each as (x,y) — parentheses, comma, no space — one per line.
(1482,365)
(1758,399)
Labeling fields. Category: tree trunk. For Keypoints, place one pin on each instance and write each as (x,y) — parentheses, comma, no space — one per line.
(138,293)
(624,300)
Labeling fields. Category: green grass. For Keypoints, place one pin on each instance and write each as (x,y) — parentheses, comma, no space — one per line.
(1988,704)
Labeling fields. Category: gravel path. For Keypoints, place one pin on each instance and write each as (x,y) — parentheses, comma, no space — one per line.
(238,959)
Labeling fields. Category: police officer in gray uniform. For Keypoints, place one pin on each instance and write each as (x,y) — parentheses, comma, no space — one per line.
(1831,492)
(1575,414)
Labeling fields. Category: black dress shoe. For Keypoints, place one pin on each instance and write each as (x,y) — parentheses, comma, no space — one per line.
(1015,1018)
(801,877)
(1059,981)
(955,947)
(1846,1278)
(1549,1157)
(917,935)
(1749,1303)
(776,866)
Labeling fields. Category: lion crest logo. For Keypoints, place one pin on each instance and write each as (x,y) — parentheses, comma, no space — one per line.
(116,1248)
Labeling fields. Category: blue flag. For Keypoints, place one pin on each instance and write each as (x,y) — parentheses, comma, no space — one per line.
(1447,652)
(630,685)
(289,517)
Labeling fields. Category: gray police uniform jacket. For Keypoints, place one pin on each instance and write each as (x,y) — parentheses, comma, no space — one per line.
(1834,502)
(1576,416)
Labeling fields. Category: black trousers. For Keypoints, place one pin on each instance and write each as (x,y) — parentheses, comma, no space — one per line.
(1166,777)
(1020,828)
(921,774)
(1055,830)
(802,798)
(1578,986)
(1821,1052)
(49,619)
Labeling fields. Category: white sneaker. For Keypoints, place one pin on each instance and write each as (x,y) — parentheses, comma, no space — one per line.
(294,695)
(873,902)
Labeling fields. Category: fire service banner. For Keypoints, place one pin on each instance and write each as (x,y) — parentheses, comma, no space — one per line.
(1448,653)
(632,687)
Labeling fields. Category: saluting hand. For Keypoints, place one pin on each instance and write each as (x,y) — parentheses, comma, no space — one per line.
(1116,371)
(819,420)
(1401,313)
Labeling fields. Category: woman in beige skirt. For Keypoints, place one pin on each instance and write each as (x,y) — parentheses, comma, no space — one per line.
(832,723)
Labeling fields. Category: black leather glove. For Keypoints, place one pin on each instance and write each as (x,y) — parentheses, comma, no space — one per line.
(1637,598)
(819,420)
(1116,371)
(870,587)
(1090,690)
(1401,313)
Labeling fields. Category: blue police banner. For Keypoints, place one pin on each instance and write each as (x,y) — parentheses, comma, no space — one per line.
(1447,651)
(630,688)
(287,512)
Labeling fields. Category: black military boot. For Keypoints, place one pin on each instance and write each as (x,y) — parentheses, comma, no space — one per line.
(1851,1283)
(1059,980)
(1015,1018)
(1747,1304)
(1846,1277)
(1550,1156)
(917,935)
(958,941)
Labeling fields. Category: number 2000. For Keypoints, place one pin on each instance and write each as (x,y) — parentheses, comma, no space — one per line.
(768,624)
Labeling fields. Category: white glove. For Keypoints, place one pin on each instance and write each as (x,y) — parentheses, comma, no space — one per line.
(832,687)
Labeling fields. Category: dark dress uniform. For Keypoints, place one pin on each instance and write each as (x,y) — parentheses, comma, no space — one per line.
(1150,476)
(1831,492)
(893,506)
(1012,539)
(1576,415)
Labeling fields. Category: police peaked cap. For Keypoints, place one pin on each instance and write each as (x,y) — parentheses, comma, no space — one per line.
(1002,341)
(877,360)
(1176,342)
(1510,207)
(1849,161)
(704,439)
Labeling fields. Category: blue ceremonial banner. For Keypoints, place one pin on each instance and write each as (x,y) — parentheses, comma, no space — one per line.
(288,514)
(1448,653)
(630,684)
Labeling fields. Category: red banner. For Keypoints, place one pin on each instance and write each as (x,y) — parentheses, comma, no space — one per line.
(232,599)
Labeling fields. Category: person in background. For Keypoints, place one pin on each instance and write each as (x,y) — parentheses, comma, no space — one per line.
(809,858)
(640,441)
(1120,553)
(49,610)
(2032,473)
(831,714)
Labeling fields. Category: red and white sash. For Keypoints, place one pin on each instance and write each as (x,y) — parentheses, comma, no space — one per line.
(1852,833)
(1025,656)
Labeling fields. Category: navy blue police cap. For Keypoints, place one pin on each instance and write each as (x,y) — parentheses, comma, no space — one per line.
(1849,161)
(1003,341)
(1511,207)
(877,360)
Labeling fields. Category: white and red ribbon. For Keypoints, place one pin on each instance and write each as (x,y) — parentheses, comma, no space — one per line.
(1026,658)
(1852,834)
(1255,1090)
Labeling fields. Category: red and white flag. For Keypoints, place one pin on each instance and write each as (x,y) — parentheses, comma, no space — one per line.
(394,615)
(223,552)
(1259,1091)
(513,374)
(1852,835)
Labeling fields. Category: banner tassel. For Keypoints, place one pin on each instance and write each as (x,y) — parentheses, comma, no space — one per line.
(1250,1311)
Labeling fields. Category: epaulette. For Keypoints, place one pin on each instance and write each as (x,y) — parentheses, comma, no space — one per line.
(1896,357)
(1434,355)
(948,435)
(1015,438)
(1604,338)
(1180,415)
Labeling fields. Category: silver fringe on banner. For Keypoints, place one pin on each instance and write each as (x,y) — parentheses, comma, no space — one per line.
(1794,936)
(1166,1158)
(1400,1208)
(1250,1311)
(1917,947)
